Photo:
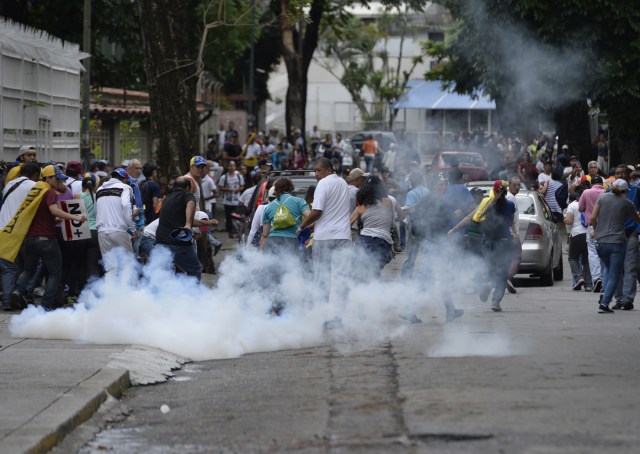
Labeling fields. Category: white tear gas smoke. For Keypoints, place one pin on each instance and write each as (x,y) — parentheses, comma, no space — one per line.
(151,305)
(532,73)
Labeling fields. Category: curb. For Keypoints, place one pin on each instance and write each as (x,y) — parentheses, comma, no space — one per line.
(68,411)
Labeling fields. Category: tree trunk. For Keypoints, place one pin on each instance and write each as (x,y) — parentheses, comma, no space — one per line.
(170,64)
(298,47)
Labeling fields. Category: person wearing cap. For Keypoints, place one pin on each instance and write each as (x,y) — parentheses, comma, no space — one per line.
(178,211)
(627,285)
(355,179)
(586,203)
(74,172)
(26,154)
(114,215)
(40,242)
(197,168)
(13,195)
(608,219)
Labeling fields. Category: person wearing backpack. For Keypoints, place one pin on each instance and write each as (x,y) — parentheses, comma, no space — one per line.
(282,218)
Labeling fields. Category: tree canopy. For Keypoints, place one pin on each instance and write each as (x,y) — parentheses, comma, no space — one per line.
(547,55)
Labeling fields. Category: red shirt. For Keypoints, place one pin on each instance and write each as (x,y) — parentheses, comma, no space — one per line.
(44,223)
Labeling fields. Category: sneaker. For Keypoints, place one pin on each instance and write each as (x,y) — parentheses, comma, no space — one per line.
(452,315)
(495,307)
(413,318)
(484,293)
(597,285)
(602,309)
(617,306)
(578,285)
(17,301)
(510,287)
(628,306)
(38,291)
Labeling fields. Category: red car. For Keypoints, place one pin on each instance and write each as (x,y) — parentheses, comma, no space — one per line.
(471,163)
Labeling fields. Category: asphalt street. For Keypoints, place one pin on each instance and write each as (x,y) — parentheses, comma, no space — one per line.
(547,375)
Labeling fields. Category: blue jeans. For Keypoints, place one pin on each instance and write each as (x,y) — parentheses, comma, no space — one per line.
(627,284)
(186,258)
(48,250)
(612,256)
(369,163)
(375,253)
(9,271)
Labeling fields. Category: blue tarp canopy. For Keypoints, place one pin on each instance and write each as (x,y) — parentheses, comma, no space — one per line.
(426,94)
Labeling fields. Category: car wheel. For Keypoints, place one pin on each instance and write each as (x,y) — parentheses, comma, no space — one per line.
(558,272)
(546,277)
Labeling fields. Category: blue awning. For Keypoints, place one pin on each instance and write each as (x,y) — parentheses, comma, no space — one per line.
(426,94)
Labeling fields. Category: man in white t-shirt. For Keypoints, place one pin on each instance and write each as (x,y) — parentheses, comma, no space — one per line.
(331,235)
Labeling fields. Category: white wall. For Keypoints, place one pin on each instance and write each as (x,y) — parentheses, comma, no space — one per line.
(39,94)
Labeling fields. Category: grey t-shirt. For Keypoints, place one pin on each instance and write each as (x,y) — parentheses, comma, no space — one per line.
(614,210)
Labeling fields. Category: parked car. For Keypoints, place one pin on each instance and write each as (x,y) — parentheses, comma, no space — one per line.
(471,163)
(541,241)
(384,138)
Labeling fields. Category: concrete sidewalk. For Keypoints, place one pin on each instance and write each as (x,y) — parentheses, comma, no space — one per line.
(49,387)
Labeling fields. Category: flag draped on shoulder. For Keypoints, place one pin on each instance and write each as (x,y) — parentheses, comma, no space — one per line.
(13,233)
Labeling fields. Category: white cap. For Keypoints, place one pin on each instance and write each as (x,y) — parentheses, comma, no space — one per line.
(272,192)
(621,184)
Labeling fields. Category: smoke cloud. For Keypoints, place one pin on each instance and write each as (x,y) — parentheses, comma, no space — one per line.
(151,305)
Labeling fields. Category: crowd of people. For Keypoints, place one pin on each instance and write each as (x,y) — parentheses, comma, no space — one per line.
(348,227)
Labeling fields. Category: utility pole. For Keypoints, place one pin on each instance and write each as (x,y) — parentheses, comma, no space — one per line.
(251,119)
(86,85)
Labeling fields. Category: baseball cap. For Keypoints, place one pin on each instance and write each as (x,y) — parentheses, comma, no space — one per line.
(272,192)
(620,184)
(198,161)
(120,172)
(182,234)
(201,216)
(50,171)
(74,167)
(27,149)
(596,180)
(585,178)
(565,147)
(356,173)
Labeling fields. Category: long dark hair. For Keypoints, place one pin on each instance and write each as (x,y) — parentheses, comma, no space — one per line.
(372,192)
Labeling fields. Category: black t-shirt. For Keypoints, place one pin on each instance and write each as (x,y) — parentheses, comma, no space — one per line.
(148,190)
(173,216)
(233,150)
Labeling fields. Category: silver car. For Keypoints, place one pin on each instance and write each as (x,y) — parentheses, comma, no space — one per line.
(541,241)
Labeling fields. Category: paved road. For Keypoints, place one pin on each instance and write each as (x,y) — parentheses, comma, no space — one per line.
(547,375)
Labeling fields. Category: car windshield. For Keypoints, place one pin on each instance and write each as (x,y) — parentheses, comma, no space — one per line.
(470,159)
(526,205)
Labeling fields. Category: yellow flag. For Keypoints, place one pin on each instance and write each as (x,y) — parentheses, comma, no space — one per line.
(13,233)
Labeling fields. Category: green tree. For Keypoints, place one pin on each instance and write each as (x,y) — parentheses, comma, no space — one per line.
(300,33)
(537,56)
(361,50)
